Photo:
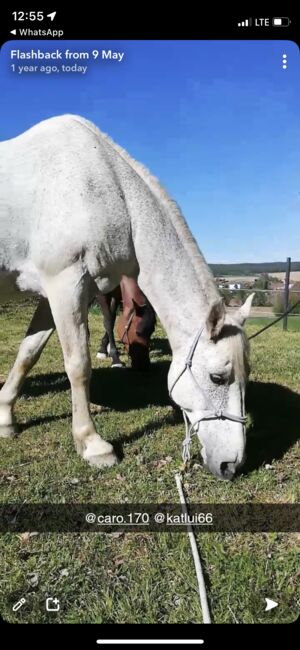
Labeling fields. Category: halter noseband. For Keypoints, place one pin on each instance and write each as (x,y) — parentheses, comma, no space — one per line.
(207,414)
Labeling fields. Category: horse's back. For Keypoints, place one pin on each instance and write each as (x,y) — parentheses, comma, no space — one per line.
(58,123)
(61,188)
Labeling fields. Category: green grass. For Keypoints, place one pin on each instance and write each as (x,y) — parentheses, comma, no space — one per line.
(293,323)
(144,577)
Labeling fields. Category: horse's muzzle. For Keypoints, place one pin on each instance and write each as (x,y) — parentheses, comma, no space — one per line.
(225,471)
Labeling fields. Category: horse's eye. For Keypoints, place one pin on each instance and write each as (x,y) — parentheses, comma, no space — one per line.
(218,379)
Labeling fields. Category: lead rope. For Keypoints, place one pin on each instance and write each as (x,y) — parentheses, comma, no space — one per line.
(196,556)
(186,455)
(191,430)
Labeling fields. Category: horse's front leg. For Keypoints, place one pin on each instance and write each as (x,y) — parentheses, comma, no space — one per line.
(109,323)
(68,298)
(109,305)
(103,302)
(37,335)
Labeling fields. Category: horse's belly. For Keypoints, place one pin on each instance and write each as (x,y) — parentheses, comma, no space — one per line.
(13,284)
(27,278)
(105,285)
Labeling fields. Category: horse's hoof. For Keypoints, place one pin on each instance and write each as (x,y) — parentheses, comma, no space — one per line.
(103,460)
(101,355)
(117,365)
(8,431)
(97,452)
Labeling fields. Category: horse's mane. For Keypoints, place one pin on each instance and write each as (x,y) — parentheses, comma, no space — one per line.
(202,270)
(239,349)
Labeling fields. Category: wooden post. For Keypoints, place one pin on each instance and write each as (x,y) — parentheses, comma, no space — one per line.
(286,292)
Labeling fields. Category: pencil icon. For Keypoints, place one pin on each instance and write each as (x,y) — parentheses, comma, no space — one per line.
(18,604)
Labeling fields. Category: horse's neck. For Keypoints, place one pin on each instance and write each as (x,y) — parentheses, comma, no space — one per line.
(131,291)
(173,275)
(173,271)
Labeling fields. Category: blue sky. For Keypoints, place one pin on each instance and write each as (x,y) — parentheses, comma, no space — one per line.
(218,122)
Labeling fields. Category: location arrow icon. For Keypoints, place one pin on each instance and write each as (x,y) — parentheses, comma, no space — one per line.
(270,604)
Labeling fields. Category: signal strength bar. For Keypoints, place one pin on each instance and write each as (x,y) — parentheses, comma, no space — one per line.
(245,23)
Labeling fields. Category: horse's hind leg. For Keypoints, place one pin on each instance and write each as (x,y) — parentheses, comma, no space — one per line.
(102,350)
(37,335)
(68,297)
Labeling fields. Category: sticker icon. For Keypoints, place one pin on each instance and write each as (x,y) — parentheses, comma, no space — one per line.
(52,605)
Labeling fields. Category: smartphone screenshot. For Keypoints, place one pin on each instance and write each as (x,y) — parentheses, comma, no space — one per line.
(149,326)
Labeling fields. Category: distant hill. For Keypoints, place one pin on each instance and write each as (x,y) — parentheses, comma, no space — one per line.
(250,268)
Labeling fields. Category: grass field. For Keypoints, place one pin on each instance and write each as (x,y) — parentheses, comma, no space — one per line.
(144,577)
(294,276)
(293,323)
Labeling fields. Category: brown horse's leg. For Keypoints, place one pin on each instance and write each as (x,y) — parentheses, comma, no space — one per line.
(103,302)
(109,304)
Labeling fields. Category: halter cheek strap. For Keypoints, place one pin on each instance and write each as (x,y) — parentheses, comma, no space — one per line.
(127,326)
(207,413)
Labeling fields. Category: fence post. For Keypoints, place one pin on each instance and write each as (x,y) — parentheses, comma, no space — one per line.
(286,292)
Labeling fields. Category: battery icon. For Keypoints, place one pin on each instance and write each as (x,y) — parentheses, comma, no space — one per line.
(281,22)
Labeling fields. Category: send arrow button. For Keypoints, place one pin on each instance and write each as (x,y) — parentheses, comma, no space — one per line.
(270,604)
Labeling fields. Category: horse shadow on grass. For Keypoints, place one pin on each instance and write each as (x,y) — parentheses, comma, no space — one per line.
(274,409)
(121,389)
(275,414)
(160,347)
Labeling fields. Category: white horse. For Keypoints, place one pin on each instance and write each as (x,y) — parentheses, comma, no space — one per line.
(76,210)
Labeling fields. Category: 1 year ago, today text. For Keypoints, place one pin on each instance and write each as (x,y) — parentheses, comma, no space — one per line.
(58,60)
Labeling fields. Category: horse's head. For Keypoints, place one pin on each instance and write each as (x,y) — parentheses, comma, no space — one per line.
(135,328)
(211,389)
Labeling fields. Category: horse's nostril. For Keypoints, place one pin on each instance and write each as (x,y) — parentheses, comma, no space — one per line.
(227,470)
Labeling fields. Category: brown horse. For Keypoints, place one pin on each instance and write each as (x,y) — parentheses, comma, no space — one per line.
(135,325)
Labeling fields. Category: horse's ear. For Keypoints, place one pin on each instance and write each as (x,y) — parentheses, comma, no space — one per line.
(138,309)
(215,319)
(244,311)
